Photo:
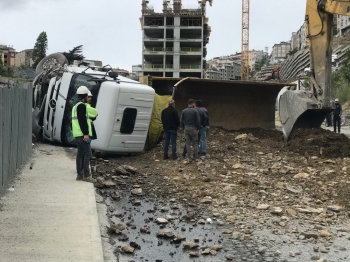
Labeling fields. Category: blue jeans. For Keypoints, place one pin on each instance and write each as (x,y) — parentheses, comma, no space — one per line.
(203,139)
(170,135)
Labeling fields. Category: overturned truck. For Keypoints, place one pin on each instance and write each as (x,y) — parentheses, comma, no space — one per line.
(129,111)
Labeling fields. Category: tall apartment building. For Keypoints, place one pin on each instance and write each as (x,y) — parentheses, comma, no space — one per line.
(8,55)
(280,51)
(228,71)
(24,58)
(255,56)
(174,41)
(343,24)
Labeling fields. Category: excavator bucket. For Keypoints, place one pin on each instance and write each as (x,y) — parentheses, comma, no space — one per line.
(232,105)
(300,109)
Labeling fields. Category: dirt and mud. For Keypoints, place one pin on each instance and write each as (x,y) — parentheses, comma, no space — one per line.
(250,183)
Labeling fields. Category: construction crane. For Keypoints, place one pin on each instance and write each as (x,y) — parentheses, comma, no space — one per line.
(245,40)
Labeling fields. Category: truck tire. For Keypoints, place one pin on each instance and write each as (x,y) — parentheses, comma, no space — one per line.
(51,61)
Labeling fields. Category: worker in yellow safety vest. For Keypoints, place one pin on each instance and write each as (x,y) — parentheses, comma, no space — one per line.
(92,115)
(82,131)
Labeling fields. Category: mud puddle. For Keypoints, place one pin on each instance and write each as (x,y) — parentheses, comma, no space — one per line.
(137,216)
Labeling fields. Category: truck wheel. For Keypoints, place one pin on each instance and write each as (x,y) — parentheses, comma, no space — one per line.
(51,62)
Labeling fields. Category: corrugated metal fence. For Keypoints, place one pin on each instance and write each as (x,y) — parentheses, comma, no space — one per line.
(15,128)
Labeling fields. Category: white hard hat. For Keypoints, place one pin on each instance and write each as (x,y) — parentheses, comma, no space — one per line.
(89,94)
(82,90)
(336,100)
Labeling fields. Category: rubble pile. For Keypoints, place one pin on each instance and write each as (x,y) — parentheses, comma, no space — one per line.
(250,180)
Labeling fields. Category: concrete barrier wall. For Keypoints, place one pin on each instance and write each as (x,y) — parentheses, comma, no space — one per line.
(15,128)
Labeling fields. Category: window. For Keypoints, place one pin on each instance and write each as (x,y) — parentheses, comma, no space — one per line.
(128,121)
(72,99)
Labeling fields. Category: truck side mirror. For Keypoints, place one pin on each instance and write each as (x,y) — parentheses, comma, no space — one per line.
(113,75)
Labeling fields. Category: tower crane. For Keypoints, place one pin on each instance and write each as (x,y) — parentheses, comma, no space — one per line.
(245,40)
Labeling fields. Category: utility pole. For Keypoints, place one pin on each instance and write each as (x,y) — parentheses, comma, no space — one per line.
(245,40)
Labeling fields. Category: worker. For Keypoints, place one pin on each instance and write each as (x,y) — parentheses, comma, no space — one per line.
(171,124)
(202,119)
(82,132)
(190,122)
(337,112)
(203,132)
(92,113)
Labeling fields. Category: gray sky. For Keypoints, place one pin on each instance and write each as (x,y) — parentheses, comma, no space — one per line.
(110,29)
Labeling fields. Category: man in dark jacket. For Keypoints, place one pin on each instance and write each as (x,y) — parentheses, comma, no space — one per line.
(171,123)
(190,122)
(203,132)
(337,112)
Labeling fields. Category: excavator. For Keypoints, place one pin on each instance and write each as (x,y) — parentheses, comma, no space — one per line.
(308,109)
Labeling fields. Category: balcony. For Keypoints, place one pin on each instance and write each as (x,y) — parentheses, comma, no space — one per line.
(190,49)
(154,49)
(153,67)
(190,67)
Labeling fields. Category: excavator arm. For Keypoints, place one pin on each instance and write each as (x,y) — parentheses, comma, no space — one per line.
(307,109)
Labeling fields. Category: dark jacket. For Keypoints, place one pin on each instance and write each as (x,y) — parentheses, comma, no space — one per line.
(81,113)
(190,118)
(202,117)
(338,110)
(170,118)
(206,114)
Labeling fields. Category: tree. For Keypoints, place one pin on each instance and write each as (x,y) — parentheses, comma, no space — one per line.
(259,64)
(40,48)
(75,54)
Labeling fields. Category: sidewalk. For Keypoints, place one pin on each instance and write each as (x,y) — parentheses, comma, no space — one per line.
(49,216)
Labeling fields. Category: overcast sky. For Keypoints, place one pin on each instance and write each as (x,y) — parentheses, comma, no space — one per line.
(110,29)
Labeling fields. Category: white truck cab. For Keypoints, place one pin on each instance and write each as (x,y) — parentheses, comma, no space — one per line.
(124,108)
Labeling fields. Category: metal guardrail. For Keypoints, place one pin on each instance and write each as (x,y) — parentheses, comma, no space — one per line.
(154,66)
(159,49)
(189,67)
(191,49)
(154,49)
(15,127)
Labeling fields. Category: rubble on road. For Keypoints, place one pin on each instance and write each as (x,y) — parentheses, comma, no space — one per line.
(252,180)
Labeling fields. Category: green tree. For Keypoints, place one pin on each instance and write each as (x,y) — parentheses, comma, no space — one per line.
(260,64)
(40,48)
(75,54)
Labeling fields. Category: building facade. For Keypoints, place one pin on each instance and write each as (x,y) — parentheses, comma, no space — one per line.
(174,41)
(255,56)
(280,51)
(24,58)
(8,55)
(229,71)
(137,70)
(343,24)
(299,39)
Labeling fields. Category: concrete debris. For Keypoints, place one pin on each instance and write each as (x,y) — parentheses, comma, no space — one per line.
(252,183)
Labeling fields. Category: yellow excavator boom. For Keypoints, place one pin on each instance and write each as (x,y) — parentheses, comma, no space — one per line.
(308,109)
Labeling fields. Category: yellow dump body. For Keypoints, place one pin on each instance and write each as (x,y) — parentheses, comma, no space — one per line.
(232,105)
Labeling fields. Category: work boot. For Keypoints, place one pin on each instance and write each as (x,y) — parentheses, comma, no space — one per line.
(166,157)
(90,179)
(79,177)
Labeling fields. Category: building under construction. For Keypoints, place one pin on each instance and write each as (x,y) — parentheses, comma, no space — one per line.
(174,41)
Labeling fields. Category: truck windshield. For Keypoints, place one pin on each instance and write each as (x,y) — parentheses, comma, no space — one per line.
(72,99)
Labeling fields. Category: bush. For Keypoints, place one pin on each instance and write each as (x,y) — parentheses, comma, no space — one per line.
(341,83)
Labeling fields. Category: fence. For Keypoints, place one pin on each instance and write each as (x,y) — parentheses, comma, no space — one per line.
(15,127)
